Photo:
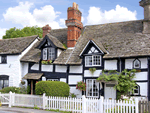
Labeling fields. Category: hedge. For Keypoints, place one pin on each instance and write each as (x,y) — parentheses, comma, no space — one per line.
(52,88)
(14,90)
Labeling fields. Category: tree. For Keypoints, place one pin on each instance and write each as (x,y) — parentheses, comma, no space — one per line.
(26,31)
(125,85)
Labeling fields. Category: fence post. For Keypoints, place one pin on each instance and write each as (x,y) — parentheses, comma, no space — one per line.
(44,100)
(10,99)
(13,98)
(101,100)
(136,105)
(83,104)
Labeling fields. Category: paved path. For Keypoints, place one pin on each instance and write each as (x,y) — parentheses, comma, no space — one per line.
(22,110)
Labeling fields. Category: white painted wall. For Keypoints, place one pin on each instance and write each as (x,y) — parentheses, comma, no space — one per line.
(143,88)
(48,68)
(63,80)
(129,63)
(60,68)
(35,67)
(73,79)
(77,92)
(24,71)
(87,73)
(141,76)
(12,69)
(110,65)
(76,69)
(58,52)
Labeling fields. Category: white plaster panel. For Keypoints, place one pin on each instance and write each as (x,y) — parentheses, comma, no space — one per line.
(141,76)
(87,73)
(61,68)
(77,92)
(76,69)
(63,80)
(58,52)
(129,63)
(73,79)
(143,88)
(110,65)
(35,67)
(48,68)
(24,69)
(143,62)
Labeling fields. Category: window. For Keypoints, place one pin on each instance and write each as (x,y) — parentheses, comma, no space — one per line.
(52,79)
(4,81)
(94,60)
(136,64)
(48,53)
(3,59)
(136,90)
(92,88)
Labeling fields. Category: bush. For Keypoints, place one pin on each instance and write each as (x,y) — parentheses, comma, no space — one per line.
(52,88)
(14,90)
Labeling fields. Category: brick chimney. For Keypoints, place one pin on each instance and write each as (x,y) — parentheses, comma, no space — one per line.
(46,29)
(146,22)
(74,25)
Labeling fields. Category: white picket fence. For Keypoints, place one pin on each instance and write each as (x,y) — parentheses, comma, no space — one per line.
(76,105)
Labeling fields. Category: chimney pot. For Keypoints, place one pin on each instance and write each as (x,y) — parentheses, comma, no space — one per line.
(46,29)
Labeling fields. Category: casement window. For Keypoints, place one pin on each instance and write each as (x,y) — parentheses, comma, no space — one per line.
(136,64)
(52,79)
(3,59)
(4,81)
(48,53)
(92,88)
(94,60)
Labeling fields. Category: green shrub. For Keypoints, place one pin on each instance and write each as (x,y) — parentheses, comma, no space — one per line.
(14,90)
(52,88)
(28,89)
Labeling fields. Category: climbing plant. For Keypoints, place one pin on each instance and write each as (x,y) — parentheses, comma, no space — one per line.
(125,81)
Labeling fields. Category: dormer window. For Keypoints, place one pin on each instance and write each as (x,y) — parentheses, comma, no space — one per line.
(94,60)
(49,53)
(136,64)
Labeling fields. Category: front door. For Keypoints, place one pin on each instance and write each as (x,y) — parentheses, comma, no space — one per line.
(110,92)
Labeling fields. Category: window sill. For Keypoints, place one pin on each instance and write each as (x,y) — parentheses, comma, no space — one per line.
(3,63)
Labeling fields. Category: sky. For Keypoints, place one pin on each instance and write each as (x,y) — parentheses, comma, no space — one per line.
(22,13)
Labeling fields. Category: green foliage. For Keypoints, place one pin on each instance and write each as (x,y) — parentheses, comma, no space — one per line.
(18,90)
(26,31)
(65,46)
(81,86)
(72,95)
(28,89)
(125,80)
(46,61)
(92,70)
(52,88)
(35,107)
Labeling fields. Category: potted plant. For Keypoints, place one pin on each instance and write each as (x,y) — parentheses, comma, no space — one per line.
(81,86)
(22,82)
(92,70)
(46,61)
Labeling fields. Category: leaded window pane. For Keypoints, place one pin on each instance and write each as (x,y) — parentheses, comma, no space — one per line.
(1,84)
(51,53)
(136,63)
(92,89)
(88,60)
(45,54)
(6,83)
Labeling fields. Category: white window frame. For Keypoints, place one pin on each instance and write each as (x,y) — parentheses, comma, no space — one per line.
(138,89)
(52,80)
(90,85)
(134,64)
(50,53)
(92,60)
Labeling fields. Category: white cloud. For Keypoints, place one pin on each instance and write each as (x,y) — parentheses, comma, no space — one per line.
(82,19)
(96,16)
(2,32)
(21,15)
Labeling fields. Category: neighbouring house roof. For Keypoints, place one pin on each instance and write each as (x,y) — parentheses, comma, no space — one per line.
(33,76)
(120,39)
(15,45)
